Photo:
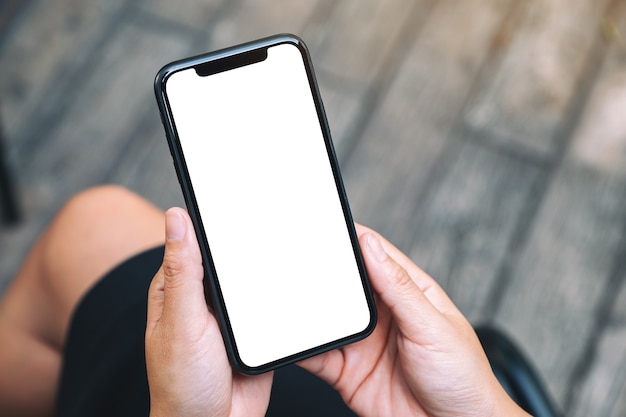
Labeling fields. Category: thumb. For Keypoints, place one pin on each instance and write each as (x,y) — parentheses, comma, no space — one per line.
(181,271)
(412,311)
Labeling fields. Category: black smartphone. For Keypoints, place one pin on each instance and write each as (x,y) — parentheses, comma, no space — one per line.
(253,153)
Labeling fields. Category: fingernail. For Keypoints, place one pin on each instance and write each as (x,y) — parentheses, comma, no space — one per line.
(175,226)
(375,248)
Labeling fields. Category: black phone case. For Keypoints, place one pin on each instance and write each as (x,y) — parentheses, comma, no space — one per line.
(224,60)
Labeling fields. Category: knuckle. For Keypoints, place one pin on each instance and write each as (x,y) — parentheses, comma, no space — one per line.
(396,273)
(173,267)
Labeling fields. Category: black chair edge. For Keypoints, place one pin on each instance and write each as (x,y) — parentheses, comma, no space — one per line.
(8,197)
(515,373)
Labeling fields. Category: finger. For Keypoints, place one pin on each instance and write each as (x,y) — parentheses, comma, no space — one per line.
(183,291)
(155,300)
(413,312)
(327,366)
(425,282)
(420,277)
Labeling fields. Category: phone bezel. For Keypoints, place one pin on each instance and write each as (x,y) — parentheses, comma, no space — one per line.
(212,286)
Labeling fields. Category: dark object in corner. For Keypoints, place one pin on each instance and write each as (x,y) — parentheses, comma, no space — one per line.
(515,373)
(8,199)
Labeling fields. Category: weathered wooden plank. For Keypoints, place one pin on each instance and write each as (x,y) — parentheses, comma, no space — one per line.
(147,167)
(462,228)
(619,407)
(600,142)
(52,44)
(561,272)
(354,42)
(96,128)
(256,19)
(354,46)
(400,144)
(194,14)
(601,139)
(602,393)
(48,46)
(527,89)
(552,302)
(9,9)
(100,120)
(342,108)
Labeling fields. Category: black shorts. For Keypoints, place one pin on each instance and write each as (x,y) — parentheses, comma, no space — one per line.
(104,369)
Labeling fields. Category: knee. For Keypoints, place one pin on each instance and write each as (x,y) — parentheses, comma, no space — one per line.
(94,231)
(104,212)
(94,203)
(105,208)
(100,226)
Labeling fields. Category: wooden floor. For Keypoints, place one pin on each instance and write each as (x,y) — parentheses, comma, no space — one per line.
(486,138)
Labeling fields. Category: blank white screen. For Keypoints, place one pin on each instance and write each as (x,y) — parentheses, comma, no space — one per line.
(258,164)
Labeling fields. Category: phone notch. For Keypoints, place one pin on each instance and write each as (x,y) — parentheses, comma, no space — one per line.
(231,62)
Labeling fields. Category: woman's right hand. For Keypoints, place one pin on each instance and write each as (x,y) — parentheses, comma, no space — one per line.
(423,358)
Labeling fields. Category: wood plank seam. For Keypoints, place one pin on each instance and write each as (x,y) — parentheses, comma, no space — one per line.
(167,27)
(47,119)
(322,11)
(605,305)
(374,95)
(511,150)
(564,135)
(13,19)
(610,408)
(451,148)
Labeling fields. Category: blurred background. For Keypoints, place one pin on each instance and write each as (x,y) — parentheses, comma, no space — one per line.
(485,138)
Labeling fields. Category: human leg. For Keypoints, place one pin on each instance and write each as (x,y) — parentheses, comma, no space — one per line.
(93,232)
(104,369)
